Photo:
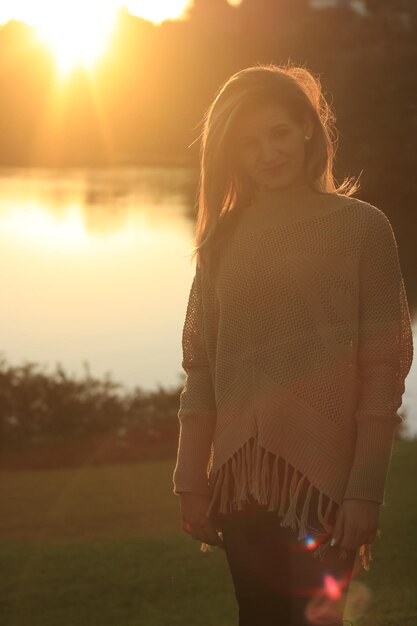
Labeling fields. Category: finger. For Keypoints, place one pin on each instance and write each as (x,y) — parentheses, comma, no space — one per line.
(211,534)
(196,531)
(352,539)
(204,531)
(214,538)
(370,537)
(348,539)
(338,529)
(211,541)
(204,538)
(207,535)
(209,525)
(366,536)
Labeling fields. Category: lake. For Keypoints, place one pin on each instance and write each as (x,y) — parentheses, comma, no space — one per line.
(96,270)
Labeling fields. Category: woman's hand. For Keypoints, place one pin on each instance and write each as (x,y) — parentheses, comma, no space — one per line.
(194,521)
(356,523)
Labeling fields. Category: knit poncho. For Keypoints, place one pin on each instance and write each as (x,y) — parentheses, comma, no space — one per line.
(299,350)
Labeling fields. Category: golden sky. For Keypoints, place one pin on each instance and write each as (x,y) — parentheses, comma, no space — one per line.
(78,31)
(35,12)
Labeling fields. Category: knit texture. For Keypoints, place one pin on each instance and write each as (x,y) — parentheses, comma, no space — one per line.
(302,345)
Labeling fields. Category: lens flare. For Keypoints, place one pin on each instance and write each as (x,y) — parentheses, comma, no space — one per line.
(332,587)
(358,600)
(323,611)
(310,542)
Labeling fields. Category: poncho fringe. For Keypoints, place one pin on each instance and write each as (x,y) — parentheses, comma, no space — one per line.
(246,477)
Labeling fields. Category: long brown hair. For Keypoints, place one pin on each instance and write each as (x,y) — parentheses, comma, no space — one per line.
(222,188)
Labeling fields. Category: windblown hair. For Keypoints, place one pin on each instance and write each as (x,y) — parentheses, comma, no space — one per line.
(223,186)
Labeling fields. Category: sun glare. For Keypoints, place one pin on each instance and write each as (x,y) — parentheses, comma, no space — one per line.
(78,32)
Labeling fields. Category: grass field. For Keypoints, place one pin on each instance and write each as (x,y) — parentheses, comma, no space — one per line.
(103,546)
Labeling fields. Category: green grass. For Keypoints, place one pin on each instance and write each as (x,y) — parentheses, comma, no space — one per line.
(103,546)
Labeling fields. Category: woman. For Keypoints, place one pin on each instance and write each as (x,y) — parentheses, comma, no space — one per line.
(296,344)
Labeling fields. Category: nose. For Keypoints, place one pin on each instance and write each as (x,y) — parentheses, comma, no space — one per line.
(268,152)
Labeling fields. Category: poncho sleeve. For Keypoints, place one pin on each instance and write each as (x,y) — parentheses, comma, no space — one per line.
(197,411)
(385,353)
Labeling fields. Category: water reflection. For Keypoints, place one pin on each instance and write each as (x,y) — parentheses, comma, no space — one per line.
(95,268)
(105,200)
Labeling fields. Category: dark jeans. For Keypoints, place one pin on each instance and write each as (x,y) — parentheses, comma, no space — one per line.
(277,580)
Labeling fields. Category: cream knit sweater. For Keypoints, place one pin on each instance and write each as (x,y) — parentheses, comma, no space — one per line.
(302,346)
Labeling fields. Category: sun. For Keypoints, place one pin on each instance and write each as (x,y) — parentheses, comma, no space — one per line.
(77,32)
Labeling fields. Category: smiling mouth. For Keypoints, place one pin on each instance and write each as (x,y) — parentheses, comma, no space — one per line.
(275,168)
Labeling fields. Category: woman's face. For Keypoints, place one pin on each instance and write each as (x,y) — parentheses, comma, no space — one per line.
(269,147)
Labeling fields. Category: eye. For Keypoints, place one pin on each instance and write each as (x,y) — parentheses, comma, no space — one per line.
(279,131)
(247,144)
